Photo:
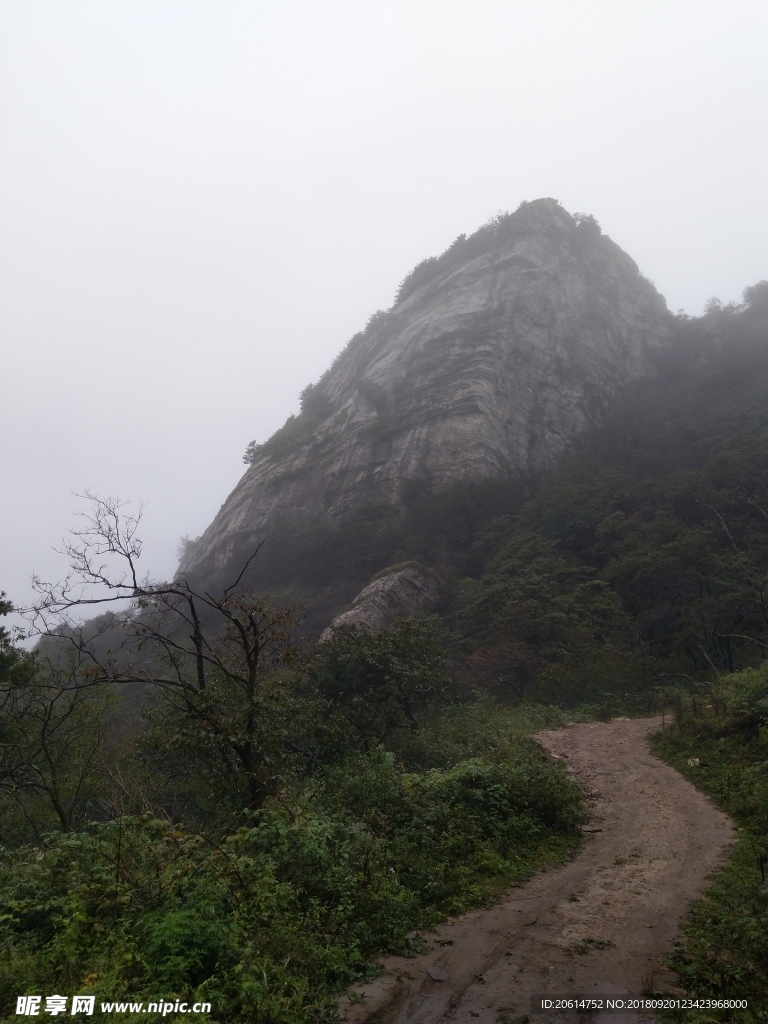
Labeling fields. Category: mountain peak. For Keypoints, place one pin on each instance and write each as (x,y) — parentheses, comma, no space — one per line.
(494,356)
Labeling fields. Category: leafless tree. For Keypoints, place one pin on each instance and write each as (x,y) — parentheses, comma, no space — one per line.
(51,735)
(214,659)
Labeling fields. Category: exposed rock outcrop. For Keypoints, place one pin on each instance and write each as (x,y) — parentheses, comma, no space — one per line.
(494,356)
(401,591)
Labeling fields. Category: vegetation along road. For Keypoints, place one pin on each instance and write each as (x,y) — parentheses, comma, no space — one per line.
(600,924)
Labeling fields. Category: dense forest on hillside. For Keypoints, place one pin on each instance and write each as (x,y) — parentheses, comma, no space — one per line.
(642,556)
(719,742)
(283,810)
(270,829)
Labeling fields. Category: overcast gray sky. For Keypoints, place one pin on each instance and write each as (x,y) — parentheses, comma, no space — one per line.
(202,200)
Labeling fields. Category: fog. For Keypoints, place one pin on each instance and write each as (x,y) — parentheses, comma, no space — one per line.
(202,201)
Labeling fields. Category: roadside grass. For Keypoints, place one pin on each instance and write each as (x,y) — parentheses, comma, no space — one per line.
(272,920)
(719,740)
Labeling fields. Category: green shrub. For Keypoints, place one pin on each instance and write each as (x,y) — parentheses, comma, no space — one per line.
(719,742)
(267,922)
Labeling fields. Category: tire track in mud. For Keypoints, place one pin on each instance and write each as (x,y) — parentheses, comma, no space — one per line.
(600,924)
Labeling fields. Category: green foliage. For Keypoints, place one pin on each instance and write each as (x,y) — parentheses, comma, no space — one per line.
(537,621)
(324,562)
(355,344)
(315,402)
(297,848)
(496,231)
(383,681)
(644,556)
(321,809)
(756,296)
(719,741)
(296,432)
(222,704)
(16,665)
(268,921)
(647,546)
(374,394)
(52,735)
(52,728)
(461,250)
(481,727)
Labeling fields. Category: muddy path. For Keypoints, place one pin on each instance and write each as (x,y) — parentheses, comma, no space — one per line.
(598,925)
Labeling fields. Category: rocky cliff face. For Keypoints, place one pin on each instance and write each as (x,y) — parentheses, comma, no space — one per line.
(493,357)
(400,591)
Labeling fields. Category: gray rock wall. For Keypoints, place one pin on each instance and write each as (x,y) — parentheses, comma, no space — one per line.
(490,365)
(398,592)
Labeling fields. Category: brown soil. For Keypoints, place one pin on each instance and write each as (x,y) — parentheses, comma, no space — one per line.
(600,924)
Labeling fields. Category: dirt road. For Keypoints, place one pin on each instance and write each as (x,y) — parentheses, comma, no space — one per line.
(598,925)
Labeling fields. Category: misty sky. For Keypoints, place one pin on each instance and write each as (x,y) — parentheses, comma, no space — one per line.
(200,202)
